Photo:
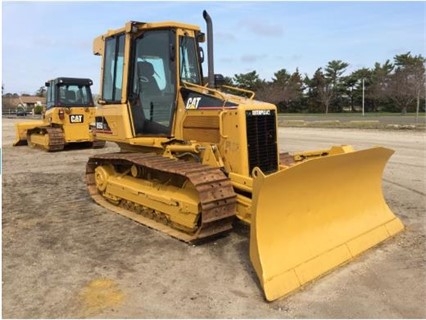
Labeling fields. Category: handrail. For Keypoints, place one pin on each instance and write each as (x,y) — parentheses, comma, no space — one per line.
(221,94)
(252,93)
(221,125)
(204,88)
(215,91)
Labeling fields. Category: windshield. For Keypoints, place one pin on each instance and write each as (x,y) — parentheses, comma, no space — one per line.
(189,66)
(74,95)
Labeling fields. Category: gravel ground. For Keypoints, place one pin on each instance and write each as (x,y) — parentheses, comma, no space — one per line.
(66,257)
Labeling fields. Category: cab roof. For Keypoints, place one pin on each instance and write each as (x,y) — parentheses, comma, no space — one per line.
(68,80)
(152,25)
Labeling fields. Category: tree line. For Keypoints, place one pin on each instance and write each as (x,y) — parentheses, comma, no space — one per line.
(397,86)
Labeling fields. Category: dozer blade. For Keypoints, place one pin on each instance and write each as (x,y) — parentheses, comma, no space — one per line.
(21,131)
(317,215)
(20,142)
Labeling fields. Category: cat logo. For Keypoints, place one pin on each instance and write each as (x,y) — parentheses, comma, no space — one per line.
(76,118)
(193,103)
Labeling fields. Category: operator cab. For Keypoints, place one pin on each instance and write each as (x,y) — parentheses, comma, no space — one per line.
(161,58)
(69,92)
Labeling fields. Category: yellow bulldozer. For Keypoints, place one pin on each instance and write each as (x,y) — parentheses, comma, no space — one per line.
(195,157)
(68,118)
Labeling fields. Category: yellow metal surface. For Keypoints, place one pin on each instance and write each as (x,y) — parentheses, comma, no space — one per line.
(317,212)
(77,133)
(21,131)
(73,132)
(180,205)
(317,215)
(40,140)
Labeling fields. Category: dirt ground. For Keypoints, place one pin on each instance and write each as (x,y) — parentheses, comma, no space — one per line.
(66,257)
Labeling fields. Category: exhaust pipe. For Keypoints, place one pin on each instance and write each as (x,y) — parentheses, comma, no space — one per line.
(209,23)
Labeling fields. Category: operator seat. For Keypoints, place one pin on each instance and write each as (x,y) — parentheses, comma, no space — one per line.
(149,93)
(70,96)
(149,85)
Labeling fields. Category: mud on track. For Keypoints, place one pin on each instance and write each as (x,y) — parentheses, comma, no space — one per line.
(66,257)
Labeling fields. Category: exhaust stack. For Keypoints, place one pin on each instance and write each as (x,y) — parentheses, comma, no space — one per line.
(210,60)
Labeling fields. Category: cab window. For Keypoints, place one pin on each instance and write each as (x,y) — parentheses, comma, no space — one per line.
(112,81)
(189,66)
(153,86)
(74,95)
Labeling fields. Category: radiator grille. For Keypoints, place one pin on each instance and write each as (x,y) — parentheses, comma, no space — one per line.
(262,140)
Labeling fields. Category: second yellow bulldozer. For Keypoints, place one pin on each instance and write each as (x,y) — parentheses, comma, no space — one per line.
(67,119)
(195,156)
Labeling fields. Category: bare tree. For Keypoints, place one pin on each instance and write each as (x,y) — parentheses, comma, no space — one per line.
(269,92)
(285,90)
(41,92)
(406,83)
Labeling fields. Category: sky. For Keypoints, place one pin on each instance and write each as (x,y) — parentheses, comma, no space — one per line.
(44,40)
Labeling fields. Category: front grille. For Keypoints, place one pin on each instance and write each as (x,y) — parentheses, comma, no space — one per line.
(262,140)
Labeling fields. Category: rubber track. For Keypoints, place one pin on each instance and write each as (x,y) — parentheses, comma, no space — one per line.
(56,138)
(216,195)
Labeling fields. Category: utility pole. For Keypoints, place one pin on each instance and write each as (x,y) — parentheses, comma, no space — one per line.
(363,89)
